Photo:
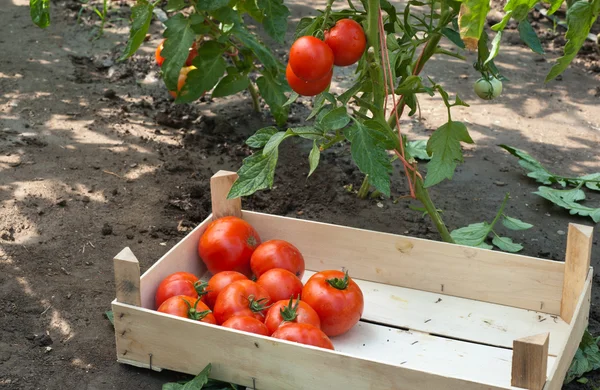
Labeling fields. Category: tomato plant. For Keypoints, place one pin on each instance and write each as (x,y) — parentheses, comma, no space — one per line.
(303,334)
(187,307)
(217,283)
(246,324)
(227,245)
(347,41)
(242,298)
(179,283)
(277,254)
(280,284)
(294,310)
(336,298)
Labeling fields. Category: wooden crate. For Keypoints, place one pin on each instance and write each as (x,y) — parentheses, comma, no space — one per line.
(437,315)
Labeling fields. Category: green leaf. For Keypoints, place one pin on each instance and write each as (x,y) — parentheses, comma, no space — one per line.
(199,381)
(318,104)
(313,158)
(568,199)
(580,18)
(261,137)
(515,224)
(275,140)
(231,84)
(383,134)
(586,359)
(453,36)
(308,132)
(529,36)
(172,386)
(554,6)
(210,5)
(39,10)
(335,119)
(176,5)
(256,173)
(495,47)
(506,244)
(535,168)
(307,26)
(141,16)
(276,17)
(180,38)
(471,20)
(291,99)
(353,90)
(260,51)
(502,25)
(418,149)
(210,68)
(472,235)
(110,316)
(251,8)
(445,151)
(592,185)
(273,91)
(370,156)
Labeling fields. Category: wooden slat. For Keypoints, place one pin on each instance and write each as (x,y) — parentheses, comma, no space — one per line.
(530,362)
(458,318)
(220,184)
(127,277)
(576,329)
(456,270)
(577,265)
(182,257)
(369,357)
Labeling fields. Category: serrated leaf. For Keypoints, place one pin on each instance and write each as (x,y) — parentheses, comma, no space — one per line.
(110,316)
(307,26)
(172,386)
(471,235)
(529,36)
(273,91)
(175,5)
(275,140)
(592,185)
(453,36)
(506,244)
(418,149)
(275,18)
(39,10)
(445,151)
(251,8)
(256,173)
(580,17)
(231,84)
(141,16)
(568,199)
(291,99)
(180,38)
(318,104)
(495,47)
(210,5)
(308,132)
(210,68)
(535,168)
(261,137)
(515,224)
(471,21)
(485,245)
(383,134)
(370,156)
(502,24)
(586,359)
(199,381)
(313,158)
(353,90)
(263,54)
(335,119)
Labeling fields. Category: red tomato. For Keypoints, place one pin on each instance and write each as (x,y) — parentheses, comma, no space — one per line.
(188,62)
(293,310)
(242,298)
(277,254)
(179,283)
(307,88)
(247,324)
(336,298)
(227,245)
(188,307)
(217,283)
(310,58)
(280,284)
(303,334)
(193,54)
(182,79)
(347,42)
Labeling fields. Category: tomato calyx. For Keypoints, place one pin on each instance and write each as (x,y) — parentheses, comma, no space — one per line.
(258,305)
(200,288)
(252,241)
(340,284)
(290,312)
(193,313)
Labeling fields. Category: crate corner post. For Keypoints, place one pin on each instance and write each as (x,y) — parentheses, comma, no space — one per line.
(577,265)
(127,278)
(220,184)
(530,362)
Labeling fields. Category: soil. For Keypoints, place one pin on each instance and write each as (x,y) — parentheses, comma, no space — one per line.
(94,156)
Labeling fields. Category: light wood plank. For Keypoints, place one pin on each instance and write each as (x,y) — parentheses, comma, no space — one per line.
(577,265)
(456,270)
(576,329)
(530,362)
(220,184)
(182,257)
(127,277)
(389,358)
(459,318)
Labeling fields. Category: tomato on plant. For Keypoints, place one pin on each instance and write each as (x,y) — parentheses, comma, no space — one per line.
(277,254)
(280,284)
(347,42)
(227,245)
(242,298)
(310,58)
(159,59)
(307,88)
(193,54)
(336,298)
(179,283)
(293,310)
(188,307)
(488,88)
(217,283)
(247,324)
(303,334)
(182,79)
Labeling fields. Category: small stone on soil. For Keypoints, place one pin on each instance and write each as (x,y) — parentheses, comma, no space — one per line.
(110,94)
(107,229)
(44,340)
(560,232)
(500,183)
(61,202)
(85,199)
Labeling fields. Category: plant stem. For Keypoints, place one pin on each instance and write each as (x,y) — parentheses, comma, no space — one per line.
(423,196)
(326,14)
(254,95)
(373,27)
(363,191)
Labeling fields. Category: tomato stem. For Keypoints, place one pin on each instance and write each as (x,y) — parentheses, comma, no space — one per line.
(258,305)
(340,284)
(200,288)
(290,312)
(326,15)
(363,191)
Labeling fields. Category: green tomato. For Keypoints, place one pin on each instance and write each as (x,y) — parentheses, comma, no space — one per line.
(488,89)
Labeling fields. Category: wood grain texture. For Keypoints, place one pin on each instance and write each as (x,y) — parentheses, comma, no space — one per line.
(220,184)
(127,277)
(530,362)
(577,265)
(489,276)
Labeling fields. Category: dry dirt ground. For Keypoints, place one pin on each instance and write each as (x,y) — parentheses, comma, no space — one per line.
(94,156)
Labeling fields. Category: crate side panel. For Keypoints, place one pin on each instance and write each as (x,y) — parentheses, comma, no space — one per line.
(456,270)
(182,257)
(390,359)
